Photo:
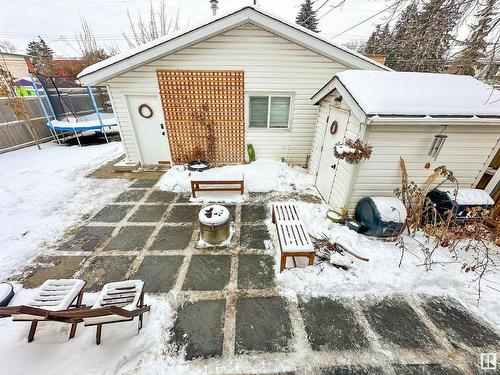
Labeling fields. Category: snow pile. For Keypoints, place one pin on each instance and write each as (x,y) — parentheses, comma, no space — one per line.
(390,209)
(469,197)
(44,192)
(429,94)
(259,176)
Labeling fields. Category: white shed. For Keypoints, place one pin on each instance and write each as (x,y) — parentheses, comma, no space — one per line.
(248,73)
(399,114)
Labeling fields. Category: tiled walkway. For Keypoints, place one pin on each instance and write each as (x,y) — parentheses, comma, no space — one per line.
(230,312)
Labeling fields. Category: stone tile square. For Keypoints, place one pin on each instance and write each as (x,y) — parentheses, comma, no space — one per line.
(254,212)
(253,236)
(331,325)
(460,327)
(262,325)
(351,370)
(148,214)
(426,369)
(173,237)
(184,213)
(161,196)
(398,324)
(144,183)
(106,269)
(255,272)
(198,328)
(52,268)
(112,213)
(207,272)
(159,272)
(130,238)
(131,195)
(86,239)
(184,198)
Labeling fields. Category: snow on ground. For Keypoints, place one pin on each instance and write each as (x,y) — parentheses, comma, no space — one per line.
(381,275)
(259,176)
(43,192)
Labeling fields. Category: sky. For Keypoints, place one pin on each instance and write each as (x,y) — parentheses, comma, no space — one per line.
(58,21)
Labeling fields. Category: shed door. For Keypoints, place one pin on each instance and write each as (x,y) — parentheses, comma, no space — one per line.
(328,163)
(150,130)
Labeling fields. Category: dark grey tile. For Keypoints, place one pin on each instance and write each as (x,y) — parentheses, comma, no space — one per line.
(460,326)
(198,328)
(183,198)
(130,238)
(253,236)
(173,238)
(52,268)
(426,369)
(106,269)
(144,183)
(148,214)
(331,325)
(87,239)
(262,325)
(255,272)
(351,370)
(184,213)
(132,195)
(159,272)
(207,272)
(112,213)
(161,196)
(398,324)
(254,212)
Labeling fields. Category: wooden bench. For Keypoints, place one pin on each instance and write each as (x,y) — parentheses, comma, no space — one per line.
(207,184)
(292,234)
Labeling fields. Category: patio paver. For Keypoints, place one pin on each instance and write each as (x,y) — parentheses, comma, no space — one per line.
(86,239)
(173,238)
(199,327)
(460,327)
(331,325)
(183,198)
(398,324)
(105,269)
(144,183)
(253,212)
(63,267)
(112,213)
(131,195)
(151,214)
(185,213)
(207,272)
(253,236)
(159,272)
(351,370)
(161,196)
(130,238)
(262,325)
(255,272)
(426,369)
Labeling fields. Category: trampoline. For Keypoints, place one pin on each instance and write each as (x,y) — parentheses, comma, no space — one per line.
(71,109)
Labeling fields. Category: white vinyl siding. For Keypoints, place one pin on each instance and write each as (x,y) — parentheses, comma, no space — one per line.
(465,152)
(271,64)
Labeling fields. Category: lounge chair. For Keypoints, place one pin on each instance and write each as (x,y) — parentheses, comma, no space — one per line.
(52,297)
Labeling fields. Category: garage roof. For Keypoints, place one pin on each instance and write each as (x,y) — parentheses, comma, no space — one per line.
(401,94)
(171,43)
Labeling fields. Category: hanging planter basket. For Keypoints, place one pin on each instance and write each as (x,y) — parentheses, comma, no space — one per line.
(353,151)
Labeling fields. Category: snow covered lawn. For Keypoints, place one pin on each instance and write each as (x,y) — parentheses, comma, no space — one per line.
(44,192)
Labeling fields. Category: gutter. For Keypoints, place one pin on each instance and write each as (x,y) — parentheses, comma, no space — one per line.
(428,120)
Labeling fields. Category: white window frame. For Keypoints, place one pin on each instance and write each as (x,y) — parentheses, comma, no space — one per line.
(269,95)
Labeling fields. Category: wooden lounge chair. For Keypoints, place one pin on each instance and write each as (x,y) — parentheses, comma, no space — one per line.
(292,234)
(52,297)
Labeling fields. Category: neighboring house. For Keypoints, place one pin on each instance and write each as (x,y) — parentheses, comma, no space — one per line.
(17,65)
(399,114)
(242,78)
(381,59)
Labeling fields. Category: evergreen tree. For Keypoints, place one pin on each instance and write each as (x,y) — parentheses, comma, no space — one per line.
(474,47)
(41,55)
(307,16)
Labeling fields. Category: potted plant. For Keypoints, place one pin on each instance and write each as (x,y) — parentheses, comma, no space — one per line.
(353,151)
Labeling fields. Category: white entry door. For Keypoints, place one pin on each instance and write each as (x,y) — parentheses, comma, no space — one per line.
(328,162)
(150,131)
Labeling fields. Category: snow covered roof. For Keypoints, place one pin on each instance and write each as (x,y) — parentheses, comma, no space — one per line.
(173,42)
(379,93)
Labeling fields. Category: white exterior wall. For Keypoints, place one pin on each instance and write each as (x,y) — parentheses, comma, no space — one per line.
(465,152)
(271,64)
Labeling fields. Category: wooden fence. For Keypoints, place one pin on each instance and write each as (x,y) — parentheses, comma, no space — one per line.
(14,133)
